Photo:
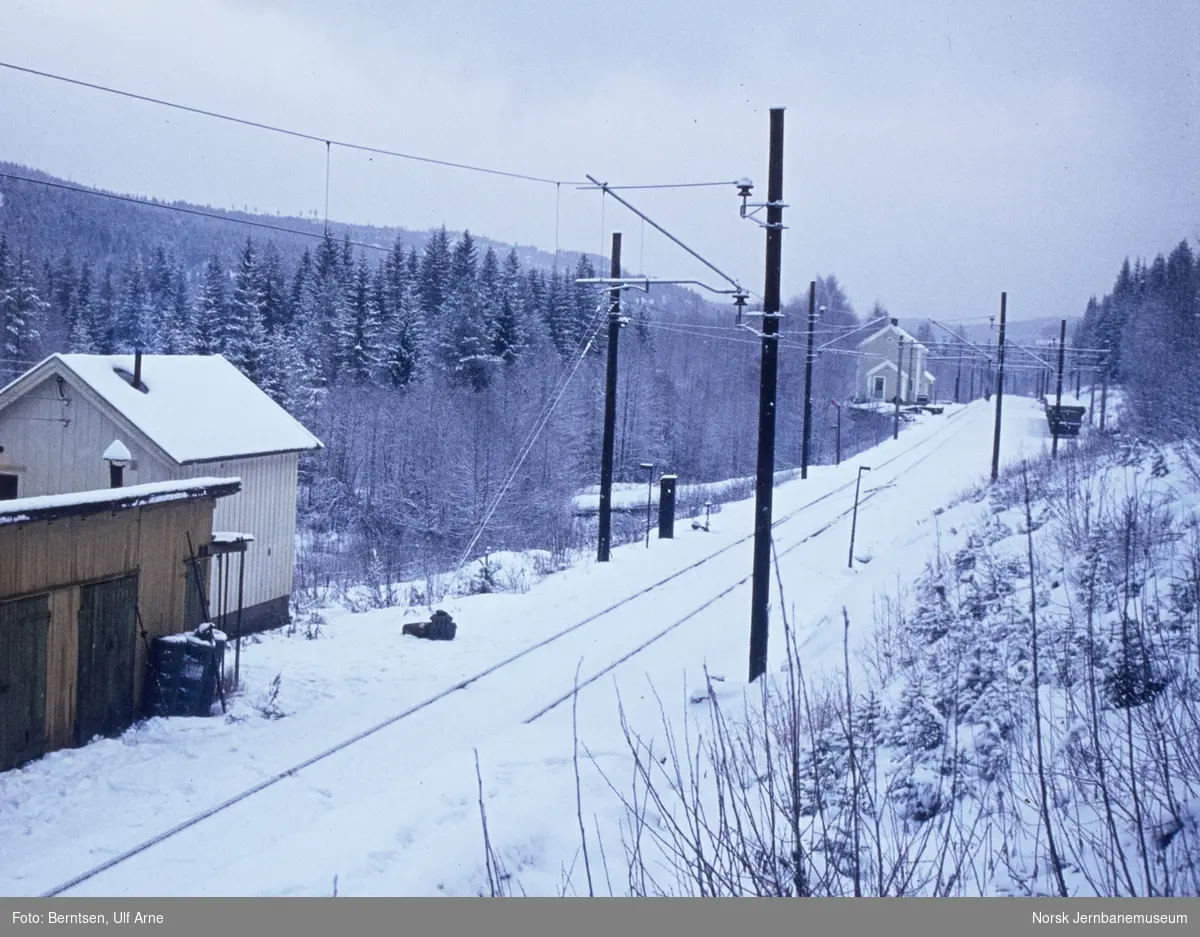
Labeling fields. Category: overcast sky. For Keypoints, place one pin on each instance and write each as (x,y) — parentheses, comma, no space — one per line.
(936,152)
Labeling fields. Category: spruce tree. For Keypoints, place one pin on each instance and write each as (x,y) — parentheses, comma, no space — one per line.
(23,314)
(180,329)
(134,328)
(507,328)
(102,312)
(404,337)
(323,309)
(244,334)
(82,339)
(359,334)
(7,275)
(276,308)
(433,280)
(63,301)
(211,309)
(464,339)
(586,301)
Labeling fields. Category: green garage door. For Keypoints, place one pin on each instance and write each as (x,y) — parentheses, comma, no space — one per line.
(107,636)
(24,624)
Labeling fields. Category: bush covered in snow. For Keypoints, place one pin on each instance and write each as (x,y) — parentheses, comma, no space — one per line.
(1027,721)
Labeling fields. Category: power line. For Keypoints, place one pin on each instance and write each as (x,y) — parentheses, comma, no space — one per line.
(606,189)
(149,203)
(664,185)
(585,341)
(705,335)
(258,125)
(329,141)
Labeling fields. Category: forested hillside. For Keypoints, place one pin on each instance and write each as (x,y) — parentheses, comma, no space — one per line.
(1150,325)
(426,363)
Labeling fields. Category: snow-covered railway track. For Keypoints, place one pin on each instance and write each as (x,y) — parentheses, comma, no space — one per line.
(862,502)
(899,463)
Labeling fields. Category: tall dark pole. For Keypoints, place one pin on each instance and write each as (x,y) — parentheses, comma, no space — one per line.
(649,466)
(999,388)
(899,365)
(854,517)
(610,406)
(987,372)
(765,480)
(912,382)
(839,431)
(958,377)
(1062,349)
(1104,392)
(808,365)
(237,652)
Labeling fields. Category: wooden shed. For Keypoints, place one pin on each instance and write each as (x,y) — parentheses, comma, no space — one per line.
(180,417)
(86,580)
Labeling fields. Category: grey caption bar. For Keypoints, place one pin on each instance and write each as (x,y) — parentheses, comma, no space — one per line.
(601,917)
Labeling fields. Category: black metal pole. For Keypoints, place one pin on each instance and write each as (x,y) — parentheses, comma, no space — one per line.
(808,367)
(912,385)
(666,507)
(1062,349)
(854,516)
(1104,392)
(610,407)
(958,377)
(225,571)
(987,372)
(839,433)
(999,388)
(899,366)
(765,475)
(237,648)
(649,499)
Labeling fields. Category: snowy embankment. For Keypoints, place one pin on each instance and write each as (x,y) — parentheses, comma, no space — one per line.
(632,496)
(398,813)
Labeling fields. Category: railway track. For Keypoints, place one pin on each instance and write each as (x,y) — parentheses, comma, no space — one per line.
(900,462)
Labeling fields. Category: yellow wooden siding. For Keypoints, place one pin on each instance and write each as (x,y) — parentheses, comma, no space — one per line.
(57,556)
(62,651)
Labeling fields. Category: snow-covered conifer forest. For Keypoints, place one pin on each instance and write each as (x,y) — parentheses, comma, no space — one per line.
(999,696)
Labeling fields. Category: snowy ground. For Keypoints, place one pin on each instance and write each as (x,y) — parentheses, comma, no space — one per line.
(397,813)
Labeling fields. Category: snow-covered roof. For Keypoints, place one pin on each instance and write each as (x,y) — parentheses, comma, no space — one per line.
(908,339)
(886,363)
(76,503)
(195,408)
